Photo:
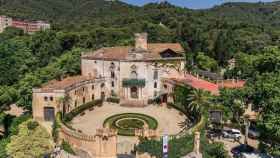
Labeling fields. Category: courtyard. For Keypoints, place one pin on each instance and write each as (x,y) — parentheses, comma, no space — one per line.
(168,118)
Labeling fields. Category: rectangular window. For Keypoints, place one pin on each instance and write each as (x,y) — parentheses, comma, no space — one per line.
(113,84)
(155,74)
(155,93)
(112,74)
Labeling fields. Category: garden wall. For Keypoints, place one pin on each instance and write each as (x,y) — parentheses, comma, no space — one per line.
(101,145)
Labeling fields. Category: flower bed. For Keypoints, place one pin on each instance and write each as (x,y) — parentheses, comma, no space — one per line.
(127,123)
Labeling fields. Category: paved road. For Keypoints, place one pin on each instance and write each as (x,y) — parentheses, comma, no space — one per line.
(230,143)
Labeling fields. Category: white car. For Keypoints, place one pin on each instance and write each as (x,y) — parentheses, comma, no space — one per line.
(254,155)
(232,133)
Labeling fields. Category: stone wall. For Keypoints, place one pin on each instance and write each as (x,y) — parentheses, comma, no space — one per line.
(41,100)
(103,144)
(77,94)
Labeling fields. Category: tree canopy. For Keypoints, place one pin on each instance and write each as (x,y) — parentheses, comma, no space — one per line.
(31,141)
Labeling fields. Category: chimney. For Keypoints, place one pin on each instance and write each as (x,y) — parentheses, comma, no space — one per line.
(141,41)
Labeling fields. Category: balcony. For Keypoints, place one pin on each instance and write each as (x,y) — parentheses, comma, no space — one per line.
(130,82)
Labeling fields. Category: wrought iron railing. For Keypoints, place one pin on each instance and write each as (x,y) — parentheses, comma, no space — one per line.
(130,82)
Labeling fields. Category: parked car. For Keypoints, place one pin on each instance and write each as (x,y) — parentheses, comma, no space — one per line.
(232,133)
(239,150)
(253,133)
(254,155)
(214,133)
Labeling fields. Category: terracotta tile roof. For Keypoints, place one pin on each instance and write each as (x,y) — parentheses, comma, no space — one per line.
(121,52)
(213,88)
(160,47)
(198,83)
(61,85)
(232,84)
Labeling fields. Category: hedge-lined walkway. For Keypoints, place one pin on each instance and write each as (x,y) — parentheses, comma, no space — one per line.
(168,119)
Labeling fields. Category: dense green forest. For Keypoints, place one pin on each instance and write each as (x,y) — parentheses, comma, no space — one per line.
(210,36)
(244,31)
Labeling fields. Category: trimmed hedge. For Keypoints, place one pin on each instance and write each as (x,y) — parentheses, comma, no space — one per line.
(69,116)
(113,100)
(154,100)
(67,147)
(152,123)
(56,126)
(177,107)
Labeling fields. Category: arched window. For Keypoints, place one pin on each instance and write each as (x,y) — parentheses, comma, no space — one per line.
(113,84)
(84,100)
(134,92)
(155,85)
(112,74)
(102,85)
(133,74)
(112,66)
(92,97)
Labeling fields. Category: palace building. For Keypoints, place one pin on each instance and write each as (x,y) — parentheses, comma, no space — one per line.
(131,73)
(29,27)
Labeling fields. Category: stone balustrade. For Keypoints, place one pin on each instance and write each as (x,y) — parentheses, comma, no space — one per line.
(101,145)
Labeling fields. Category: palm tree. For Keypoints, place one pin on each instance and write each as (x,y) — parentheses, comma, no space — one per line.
(238,109)
(198,100)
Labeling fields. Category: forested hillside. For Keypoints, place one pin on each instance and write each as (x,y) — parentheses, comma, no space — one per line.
(219,33)
(240,30)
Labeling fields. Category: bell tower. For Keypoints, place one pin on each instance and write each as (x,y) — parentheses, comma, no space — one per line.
(141,41)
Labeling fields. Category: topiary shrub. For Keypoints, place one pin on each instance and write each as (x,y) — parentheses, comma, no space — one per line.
(69,116)
(113,100)
(156,100)
(56,127)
